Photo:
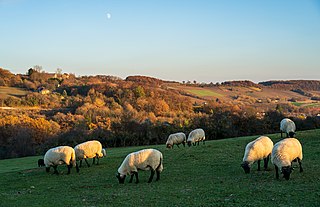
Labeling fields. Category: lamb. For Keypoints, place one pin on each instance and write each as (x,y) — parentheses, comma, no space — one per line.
(41,163)
(90,149)
(257,150)
(58,156)
(176,139)
(284,153)
(196,136)
(147,159)
(287,126)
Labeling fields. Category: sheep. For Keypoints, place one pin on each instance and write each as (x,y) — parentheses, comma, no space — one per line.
(284,153)
(257,150)
(90,149)
(196,136)
(287,126)
(41,163)
(147,159)
(177,139)
(58,156)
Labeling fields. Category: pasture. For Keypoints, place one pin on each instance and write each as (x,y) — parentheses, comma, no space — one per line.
(204,175)
(12,91)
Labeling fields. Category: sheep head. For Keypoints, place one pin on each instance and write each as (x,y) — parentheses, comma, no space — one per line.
(286,171)
(246,167)
(121,178)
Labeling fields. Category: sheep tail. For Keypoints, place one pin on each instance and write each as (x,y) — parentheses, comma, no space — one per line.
(160,164)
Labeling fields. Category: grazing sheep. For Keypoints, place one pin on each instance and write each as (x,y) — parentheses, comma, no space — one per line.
(90,149)
(147,159)
(257,150)
(284,153)
(176,139)
(196,136)
(41,163)
(287,126)
(58,156)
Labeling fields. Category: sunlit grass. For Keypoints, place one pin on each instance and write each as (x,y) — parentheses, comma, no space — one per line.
(203,92)
(205,175)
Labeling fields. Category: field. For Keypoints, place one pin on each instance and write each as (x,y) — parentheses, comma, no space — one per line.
(203,92)
(205,175)
(12,91)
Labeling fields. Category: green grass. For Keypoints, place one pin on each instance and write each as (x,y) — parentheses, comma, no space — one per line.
(203,92)
(297,103)
(205,175)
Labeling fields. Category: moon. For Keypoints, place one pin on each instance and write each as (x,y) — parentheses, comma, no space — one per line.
(108,16)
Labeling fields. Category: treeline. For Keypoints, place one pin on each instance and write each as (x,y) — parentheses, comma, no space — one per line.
(22,135)
(135,111)
(311,85)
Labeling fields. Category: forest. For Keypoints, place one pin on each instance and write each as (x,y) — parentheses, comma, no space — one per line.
(62,109)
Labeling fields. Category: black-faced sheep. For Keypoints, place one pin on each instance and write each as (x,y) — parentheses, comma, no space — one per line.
(41,163)
(58,156)
(196,136)
(257,150)
(176,139)
(90,149)
(287,126)
(284,153)
(147,159)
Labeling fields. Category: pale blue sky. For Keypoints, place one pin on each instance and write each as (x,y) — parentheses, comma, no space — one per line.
(172,40)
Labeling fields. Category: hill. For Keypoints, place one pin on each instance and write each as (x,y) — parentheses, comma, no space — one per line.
(205,175)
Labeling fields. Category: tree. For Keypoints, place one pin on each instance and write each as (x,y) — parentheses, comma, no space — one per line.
(37,68)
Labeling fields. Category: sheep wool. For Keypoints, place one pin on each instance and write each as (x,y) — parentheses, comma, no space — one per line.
(58,156)
(257,150)
(287,126)
(196,136)
(147,159)
(176,139)
(89,149)
(283,153)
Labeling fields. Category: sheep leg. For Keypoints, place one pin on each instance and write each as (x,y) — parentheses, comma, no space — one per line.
(131,178)
(137,178)
(77,168)
(300,165)
(94,160)
(266,160)
(277,173)
(184,144)
(259,165)
(194,144)
(86,162)
(198,143)
(158,175)
(132,175)
(80,163)
(55,170)
(69,167)
(178,145)
(204,142)
(151,176)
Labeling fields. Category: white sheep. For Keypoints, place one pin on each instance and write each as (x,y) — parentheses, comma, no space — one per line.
(147,159)
(287,126)
(257,150)
(58,156)
(90,149)
(176,139)
(284,153)
(196,136)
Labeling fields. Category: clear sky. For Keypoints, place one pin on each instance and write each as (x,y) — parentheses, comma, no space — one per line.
(206,41)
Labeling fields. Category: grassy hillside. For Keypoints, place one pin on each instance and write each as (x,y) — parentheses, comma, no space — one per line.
(12,91)
(205,175)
